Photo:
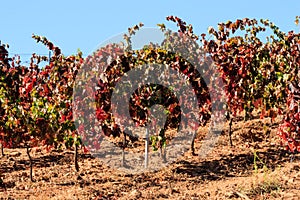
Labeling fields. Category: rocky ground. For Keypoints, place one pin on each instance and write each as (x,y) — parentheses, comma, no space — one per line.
(225,173)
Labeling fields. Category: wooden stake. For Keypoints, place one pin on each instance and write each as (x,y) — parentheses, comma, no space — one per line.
(76,158)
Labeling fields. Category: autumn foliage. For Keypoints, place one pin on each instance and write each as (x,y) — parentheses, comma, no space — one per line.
(36,102)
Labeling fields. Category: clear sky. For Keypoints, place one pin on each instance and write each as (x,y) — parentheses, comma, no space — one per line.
(85,24)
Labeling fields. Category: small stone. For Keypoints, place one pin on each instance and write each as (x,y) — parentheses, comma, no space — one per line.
(291,180)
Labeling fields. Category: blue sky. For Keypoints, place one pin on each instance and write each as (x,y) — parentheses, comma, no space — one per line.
(85,24)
